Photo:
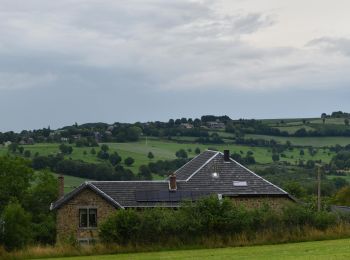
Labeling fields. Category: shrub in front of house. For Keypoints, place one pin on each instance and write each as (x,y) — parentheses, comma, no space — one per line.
(207,218)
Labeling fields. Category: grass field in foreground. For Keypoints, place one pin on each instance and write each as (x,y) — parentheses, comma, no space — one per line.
(330,249)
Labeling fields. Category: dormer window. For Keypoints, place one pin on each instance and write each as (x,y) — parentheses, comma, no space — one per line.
(240,183)
(215,175)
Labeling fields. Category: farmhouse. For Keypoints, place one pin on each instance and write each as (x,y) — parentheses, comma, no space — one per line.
(210,173)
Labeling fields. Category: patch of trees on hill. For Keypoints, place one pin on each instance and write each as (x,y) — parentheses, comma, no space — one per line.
(91,133)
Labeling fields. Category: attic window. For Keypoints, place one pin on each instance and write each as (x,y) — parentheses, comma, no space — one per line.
(240,183)
(215,175)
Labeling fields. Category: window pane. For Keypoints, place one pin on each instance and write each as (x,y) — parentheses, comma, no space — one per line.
(92,217)
(83,218)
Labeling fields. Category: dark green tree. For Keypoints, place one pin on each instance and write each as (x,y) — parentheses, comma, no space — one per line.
(103,155)
(104,148)
(13,147)
(39,196)
(15,179)
(17,230)
(150,155)
(145,173)
(129,161)
(27,153)
(65,149)
(114,158)
(20,149)
(275,157)
(181,154)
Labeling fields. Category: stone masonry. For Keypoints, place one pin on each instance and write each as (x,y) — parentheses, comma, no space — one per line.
(68,216)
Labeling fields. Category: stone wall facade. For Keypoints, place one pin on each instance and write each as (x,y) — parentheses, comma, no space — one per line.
(275,203)
(68,216)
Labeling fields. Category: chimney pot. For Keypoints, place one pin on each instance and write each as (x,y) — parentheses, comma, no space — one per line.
(226,155)
(172,182)
(60,186)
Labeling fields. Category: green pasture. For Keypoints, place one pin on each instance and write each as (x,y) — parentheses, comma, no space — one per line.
(286,120)
(305,141)
(291,129)
(163,150)
(330,249)
(329,121)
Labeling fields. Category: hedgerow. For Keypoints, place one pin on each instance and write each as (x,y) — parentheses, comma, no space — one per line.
(208,217)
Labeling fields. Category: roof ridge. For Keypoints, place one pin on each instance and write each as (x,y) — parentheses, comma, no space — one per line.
(201,167)
(187,163)
(153,181)
(86,184)
(105,195)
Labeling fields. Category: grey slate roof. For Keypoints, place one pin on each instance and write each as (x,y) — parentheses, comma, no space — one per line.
(194,179)
(196,163)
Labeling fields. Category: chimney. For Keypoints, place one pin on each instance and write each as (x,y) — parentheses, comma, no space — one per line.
(226,155)
(172,182)
(60,186)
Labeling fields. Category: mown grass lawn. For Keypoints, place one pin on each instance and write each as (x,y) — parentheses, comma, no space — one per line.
(330,249)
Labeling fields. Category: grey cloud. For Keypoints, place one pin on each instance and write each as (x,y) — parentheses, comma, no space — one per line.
(88,60)
(252,22)
(340,45)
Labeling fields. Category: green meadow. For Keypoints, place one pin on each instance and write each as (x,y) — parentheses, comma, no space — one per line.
(305,141)
(165,150)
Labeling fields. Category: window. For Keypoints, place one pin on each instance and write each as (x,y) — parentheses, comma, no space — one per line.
(92,217)
(240,183)
(88,218)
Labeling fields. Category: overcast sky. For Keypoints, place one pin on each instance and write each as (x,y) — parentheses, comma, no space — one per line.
(83,61)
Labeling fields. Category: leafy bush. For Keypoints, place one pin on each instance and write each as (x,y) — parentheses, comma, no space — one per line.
(129,161)
(17,228)
(122,227)
(206,218)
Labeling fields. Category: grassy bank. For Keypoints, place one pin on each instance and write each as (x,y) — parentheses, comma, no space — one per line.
(333,249)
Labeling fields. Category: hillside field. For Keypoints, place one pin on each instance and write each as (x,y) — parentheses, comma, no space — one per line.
(331,249)
(305,141)
(163,150)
